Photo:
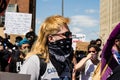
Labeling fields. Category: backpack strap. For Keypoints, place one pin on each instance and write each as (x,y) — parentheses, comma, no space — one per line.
(43,66)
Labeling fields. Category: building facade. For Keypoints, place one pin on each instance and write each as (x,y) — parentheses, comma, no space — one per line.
(109,17)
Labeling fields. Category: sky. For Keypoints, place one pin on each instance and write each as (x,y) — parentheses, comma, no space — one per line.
(83,14)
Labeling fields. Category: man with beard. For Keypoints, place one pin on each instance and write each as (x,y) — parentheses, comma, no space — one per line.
(54,44)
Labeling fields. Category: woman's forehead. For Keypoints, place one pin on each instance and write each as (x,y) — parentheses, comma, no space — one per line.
(91,48)
(63,29)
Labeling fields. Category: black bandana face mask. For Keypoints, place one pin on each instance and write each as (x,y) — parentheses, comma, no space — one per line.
(61,53)
(63,44)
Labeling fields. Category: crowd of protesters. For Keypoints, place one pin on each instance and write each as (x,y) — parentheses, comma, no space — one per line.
(54,46)
(85,66)
(12,54)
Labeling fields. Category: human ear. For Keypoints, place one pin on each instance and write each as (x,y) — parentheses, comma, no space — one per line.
(51,39)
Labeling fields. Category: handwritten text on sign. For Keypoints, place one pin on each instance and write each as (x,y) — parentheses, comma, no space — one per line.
(17,23)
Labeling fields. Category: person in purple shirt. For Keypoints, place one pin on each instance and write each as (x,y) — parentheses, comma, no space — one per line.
(111,53)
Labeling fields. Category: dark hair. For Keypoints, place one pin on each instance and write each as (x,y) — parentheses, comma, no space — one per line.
(29,34)
(79,55)
(95,46)
(1,39)
(118,36)
(92,42)
(18,38)
(98,40)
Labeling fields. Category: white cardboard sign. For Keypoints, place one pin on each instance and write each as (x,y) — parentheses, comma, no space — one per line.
(17,23)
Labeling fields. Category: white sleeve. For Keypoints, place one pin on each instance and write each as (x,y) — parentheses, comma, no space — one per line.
(31,66)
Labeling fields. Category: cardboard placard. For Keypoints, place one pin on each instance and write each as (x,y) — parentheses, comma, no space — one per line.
(17,23)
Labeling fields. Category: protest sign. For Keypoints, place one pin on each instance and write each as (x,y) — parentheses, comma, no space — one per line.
(17,23)
(13,76)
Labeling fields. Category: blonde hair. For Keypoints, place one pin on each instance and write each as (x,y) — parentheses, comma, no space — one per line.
(50,26)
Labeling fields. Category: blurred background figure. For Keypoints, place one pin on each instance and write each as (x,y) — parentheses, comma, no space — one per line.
(4,55)
(99,44)
(17,40)
(18,55)
(24,46)
(93,42)
(88,64)
(31,36)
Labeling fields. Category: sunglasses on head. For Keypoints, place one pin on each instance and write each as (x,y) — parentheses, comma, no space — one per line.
(91,51)
(66,34)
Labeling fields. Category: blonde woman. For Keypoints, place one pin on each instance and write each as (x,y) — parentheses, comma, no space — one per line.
(54,44)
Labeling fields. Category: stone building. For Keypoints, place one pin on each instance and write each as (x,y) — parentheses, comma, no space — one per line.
(109,17)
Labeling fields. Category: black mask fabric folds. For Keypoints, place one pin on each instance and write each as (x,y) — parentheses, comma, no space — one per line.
(64,44)
(61,53)
(61,49)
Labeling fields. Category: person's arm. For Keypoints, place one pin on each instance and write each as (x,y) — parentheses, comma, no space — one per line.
(74,61)
(74,75)
(80,65)
(82,62)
